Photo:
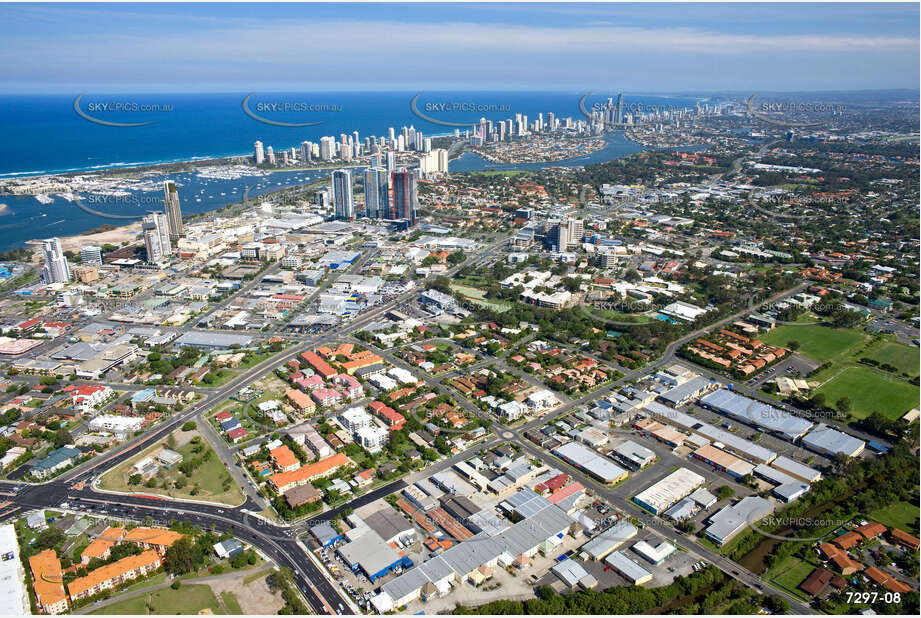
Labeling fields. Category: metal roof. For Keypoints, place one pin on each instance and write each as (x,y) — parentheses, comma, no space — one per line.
(756,413)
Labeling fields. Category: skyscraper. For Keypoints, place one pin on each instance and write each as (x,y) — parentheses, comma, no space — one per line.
(171,208)
(56,269)
(619,118)
(377,192)
(156,237)
(260,154)
(343,206)
(405,197)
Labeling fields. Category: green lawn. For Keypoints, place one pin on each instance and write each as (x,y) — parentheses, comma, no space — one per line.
(208,476)
(818,342)
(900,515)
(871,391)
(792,575)
(897,355)
(231,603)
(133,606)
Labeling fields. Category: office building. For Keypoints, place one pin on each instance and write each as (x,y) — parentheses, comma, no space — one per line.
(56,269)
(343,204)
(405,198)
(172,210)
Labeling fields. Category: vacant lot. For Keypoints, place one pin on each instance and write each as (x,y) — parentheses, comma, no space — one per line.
(871,391)
(206,482)
(186,600)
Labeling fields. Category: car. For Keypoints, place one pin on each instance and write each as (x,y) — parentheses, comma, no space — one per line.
(607,569)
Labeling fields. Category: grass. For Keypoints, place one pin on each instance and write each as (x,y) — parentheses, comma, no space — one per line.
(818,342)
(133,606)
(897,355)
(871,391)
(900,515)
(789,574)
(208,476)
(230,602)
(252,577)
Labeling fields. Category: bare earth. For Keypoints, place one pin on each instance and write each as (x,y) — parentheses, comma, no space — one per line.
(116,237)
(255,597)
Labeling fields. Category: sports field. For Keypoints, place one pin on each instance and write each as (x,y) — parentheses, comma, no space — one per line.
(818,342)
(871,391)
(897,355)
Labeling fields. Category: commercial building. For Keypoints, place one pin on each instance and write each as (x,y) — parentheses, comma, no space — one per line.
(765,417)
(212,341)
(609,540)
(473,560)
(573,574)
(591,462)
(372,555)
(828,441)
(660,496)
(628,569)
(656,555)
(685,392)
(729,521)
(796,469)
(633,455)
(14,598)
(723,461)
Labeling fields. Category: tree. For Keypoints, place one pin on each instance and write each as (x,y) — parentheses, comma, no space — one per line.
(793,345)
(62,437)
(188,426)
(134,479)
(182,557)
(843,405)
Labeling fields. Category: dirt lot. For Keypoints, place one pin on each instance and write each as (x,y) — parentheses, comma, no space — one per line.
(254,597)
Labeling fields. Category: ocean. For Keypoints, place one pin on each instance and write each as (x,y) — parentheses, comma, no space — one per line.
(44,134)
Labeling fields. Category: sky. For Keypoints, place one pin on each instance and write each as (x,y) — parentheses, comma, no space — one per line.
(639,48)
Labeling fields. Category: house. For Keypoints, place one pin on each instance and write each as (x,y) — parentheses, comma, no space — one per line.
(228,548)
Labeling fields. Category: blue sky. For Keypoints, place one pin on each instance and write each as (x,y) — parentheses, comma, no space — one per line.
(517,46)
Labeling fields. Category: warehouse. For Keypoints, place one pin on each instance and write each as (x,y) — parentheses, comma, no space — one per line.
(788,492)
(658,497)
(573,574)
(655,555)
(371,555)
(796,469)
(591,462)
(734,444)
(761,415)
(680,395)
(630,570)
(469,560)
(389,525)
(212,341)
(633,455)
(723,461)
(609,540)
(726,523)
(671,416)
(830,441)
(773,476)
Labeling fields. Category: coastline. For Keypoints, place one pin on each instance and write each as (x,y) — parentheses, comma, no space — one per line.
(129,232)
